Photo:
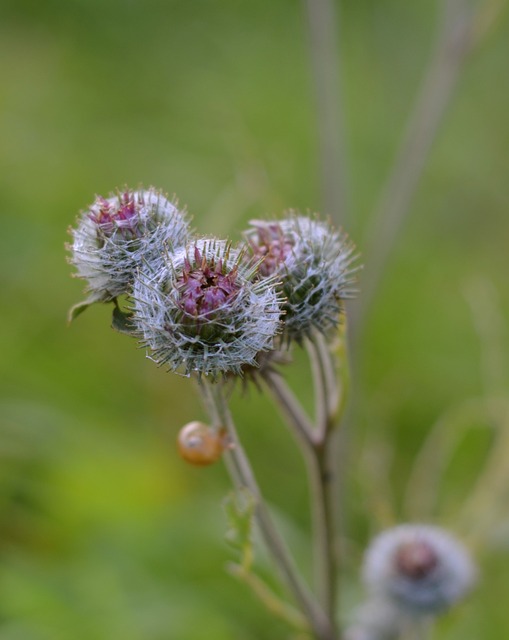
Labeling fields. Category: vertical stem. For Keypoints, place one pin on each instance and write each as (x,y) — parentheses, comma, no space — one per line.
(318,450)
(314,451)
(321,388)
(217,420)
(326,557)
(243,472)
(291,409)
(331,385)
(453,44)
(329,371)
(332,370)
(324,55)
(339,355)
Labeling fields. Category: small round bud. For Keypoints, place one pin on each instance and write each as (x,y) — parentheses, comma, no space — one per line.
(200,444)
(422,569)
(114,235)
(313,262)
(202,310)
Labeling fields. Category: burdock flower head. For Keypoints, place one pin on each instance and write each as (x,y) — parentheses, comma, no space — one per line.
(204,310)
(314,264)
(423,570)
(115,234)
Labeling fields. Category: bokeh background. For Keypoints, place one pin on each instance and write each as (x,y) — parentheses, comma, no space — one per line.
(104,532)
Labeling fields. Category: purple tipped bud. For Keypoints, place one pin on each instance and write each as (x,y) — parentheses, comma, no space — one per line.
(203,287)
(121,216)
(116,234)
(314,264)
(201,310)
(270,244)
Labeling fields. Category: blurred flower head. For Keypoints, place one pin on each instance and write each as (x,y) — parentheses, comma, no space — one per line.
(422,569)
(114,235)
(313,262)
(204,310)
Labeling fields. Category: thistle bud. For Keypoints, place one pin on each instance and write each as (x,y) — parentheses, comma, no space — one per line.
(314,263)
(423,570)
(204,310)
(115,234)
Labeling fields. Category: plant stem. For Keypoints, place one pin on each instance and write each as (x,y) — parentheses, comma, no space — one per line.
(330,388)
(321,388)
(455,41)
(329,371)
(326,558)
(241,470)
(314,453)
(295,416)
(324,56)
(317,448)
(324,471)
(274,604)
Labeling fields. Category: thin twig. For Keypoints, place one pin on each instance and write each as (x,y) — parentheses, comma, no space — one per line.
(341,372)
(455,41)
(330,389)
(324,56)
(322,478)
(329,373)
(316,447)
(294,414)
(312,449)
(217,421)
(273,603)
(321,388)
(323,473)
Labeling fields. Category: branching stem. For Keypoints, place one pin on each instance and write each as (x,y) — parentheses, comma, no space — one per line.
(240,468)
(316,445)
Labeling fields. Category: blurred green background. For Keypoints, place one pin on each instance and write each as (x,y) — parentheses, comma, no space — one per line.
(104,532)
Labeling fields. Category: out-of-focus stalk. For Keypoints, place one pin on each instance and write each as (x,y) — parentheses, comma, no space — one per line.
(324,57)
